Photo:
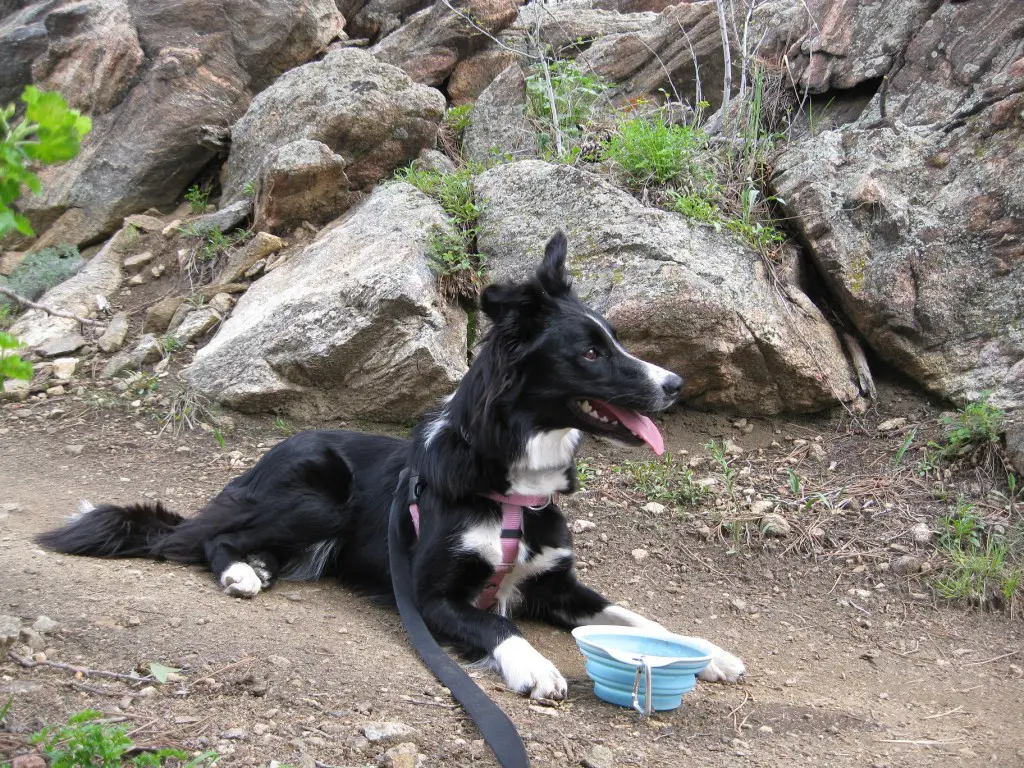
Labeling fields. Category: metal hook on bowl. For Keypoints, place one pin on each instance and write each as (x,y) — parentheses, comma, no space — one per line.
(643,668)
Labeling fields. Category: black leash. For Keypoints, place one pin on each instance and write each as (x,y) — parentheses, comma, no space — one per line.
(498,731)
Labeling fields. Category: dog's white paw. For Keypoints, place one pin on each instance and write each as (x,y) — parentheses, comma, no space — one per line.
(240,580)
(527,672)
(724,666)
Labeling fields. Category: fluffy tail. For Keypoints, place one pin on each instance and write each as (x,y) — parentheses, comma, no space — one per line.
(112,531)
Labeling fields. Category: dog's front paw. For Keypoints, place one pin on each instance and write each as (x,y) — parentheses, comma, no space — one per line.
(724,667)
(240,580)
(527,672)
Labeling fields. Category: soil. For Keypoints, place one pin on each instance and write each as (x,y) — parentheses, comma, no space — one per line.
(888,675)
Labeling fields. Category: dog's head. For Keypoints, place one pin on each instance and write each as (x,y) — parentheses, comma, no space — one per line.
(565,363)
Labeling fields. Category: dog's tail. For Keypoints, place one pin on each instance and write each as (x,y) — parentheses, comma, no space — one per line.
(108,530)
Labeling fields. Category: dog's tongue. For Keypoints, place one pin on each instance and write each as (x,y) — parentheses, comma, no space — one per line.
(639,425)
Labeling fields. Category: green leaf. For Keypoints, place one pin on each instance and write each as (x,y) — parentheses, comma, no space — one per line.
(160,672)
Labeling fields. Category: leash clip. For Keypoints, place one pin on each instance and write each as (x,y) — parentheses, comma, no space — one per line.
(643,668)
(545,505)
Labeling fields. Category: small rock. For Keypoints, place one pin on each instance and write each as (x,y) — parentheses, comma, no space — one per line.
(891,425)
(158,316)
(174,622)
(761,508)
(387,732)
(62,346)
(64,367)
(237,734)
(56,391)
(404,755)
(45,625)
(905,565)
(146,692)
(148,350)
(113,337)
(775,525)
(729,448)
(639,554)
(32,639)
(654,507)
(10,631)
(134,621)
(432,160)
(766,730)
(599,756)
(28,761)
(74,449)
(16,390)
(139,260)
(740,606)
(144,222)
(579,526)
(816,453)
(922,534)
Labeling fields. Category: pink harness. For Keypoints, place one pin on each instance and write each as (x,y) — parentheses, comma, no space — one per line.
(511,538)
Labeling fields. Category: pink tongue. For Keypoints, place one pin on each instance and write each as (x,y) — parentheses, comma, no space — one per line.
(639,425)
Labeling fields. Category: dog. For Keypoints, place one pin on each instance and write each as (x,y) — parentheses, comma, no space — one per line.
(549,370)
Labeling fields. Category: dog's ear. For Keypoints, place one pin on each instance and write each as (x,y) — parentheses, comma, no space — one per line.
(551,272)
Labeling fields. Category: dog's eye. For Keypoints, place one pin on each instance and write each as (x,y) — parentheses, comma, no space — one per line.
(591,354)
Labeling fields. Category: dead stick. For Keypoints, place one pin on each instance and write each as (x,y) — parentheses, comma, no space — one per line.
(989,661)
(48,310)
(29,664)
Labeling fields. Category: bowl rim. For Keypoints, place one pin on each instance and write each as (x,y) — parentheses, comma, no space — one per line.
(582,635)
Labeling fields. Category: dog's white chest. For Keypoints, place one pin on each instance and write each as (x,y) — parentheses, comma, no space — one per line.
(484,540)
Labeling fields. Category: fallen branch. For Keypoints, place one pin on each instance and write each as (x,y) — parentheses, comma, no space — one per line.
(48,310)
(30,664)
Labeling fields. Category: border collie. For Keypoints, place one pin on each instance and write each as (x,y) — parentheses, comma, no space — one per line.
(316,505)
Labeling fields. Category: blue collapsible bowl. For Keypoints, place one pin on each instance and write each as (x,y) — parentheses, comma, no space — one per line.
(616,659)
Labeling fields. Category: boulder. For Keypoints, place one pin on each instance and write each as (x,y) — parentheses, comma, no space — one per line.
(430,43)
(152,76)
(373,19)
(228,218)
(369,113)
(351,327)
(916,222)
(683,296)
(197,323)
(500,126)
(158,316)
(77,295)
(301,181)
(239,260)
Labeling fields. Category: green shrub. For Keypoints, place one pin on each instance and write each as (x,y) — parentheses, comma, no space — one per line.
(457,119)
(11,364)
(459,271)
(49,133)
(977,424)
(574,93)
(651,151)
(86,742)
(197,197)
(695,206)
(39,272)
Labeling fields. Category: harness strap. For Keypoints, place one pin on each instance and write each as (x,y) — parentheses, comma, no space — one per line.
(495,726)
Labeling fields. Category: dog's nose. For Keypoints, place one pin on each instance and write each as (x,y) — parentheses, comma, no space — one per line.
(672,385)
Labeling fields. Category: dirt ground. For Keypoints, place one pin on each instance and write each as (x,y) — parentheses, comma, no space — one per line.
(883,676)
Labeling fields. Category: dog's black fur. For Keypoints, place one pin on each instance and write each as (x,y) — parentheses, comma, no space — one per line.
(317,504)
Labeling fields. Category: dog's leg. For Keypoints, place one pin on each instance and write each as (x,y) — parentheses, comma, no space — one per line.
(266,567)
(559,597)
(226,555)
(524,669)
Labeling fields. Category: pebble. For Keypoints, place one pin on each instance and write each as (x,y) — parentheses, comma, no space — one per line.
(238,734)
(639,554)
(579,526)
(654,508)
(739,605)
(134,621)
(404,755)
(45,625)
(74,449)
(775,525)
(922,534)
(599,756)
(766,730)
(387,732)
(890,425)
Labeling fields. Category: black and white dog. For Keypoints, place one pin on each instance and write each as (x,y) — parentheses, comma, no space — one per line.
(317,504)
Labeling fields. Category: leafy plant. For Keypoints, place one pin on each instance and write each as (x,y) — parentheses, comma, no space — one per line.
(695,206)
(249,189)
(197,197)
(171,344)
(87,741)
(11,364)
(975,425)
(566,106)
(663,480)
(793,480)
(650,150)
(759,236)
(457,119)
(48,133)
(459,272)
(724,463)
(905,447)
(585,472)
(961,529)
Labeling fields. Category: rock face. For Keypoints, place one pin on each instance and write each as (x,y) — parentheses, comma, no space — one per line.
(686,297)
(369,113)
(351,327)
(917,222)
(101,276)
(301,181)
(430,44)
(499,123)
(151,75)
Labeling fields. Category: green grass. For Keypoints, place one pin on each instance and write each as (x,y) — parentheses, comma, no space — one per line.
(984,565)
(87,741)
(171,344)
(457,119)
(39,272)
(197,197)
(452,256)
(663,480)
(695,206)
(976,425)
(649,150)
